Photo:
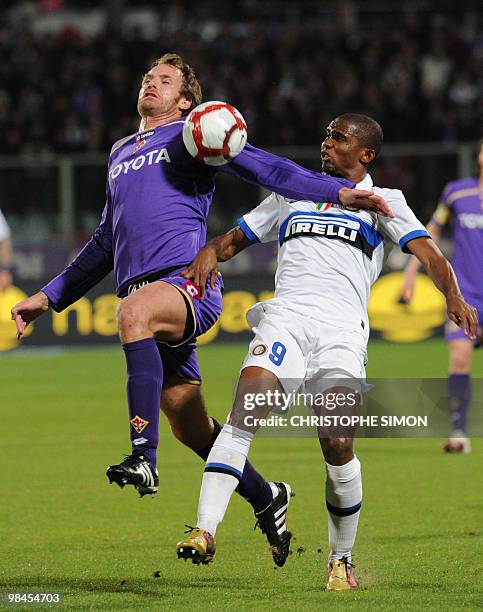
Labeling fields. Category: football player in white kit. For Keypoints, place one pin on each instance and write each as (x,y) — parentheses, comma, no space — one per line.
(315,329)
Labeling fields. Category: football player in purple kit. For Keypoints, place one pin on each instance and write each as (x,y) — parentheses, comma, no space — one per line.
(462,203)
(152,226)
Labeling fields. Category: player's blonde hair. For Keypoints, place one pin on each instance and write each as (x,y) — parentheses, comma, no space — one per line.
(191,88)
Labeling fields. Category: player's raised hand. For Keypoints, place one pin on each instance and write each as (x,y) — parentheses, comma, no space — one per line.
(360,199)
(464,315)
(27,310)
(204,264)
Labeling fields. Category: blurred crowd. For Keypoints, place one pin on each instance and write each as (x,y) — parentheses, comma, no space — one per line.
(420,75)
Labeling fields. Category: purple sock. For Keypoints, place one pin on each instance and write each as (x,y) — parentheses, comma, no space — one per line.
(144,384)
(252,486)
(459,391)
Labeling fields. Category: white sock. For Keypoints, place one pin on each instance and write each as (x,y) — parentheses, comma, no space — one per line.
(343,494)
(223,470)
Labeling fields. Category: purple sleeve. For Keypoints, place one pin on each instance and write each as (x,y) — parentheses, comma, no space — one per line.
(284,176)
(90,266)
(445,195)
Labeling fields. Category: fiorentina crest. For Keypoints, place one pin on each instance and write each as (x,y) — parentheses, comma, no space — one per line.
(139,145)
(139,424)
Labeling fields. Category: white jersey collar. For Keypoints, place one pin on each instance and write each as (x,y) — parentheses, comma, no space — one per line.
(366,183)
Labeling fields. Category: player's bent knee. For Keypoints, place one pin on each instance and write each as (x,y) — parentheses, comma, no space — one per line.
(460,364)
(460,357)
(337,451)
(132,318)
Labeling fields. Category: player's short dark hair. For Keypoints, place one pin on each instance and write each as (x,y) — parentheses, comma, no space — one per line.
(191,88)
(368,131)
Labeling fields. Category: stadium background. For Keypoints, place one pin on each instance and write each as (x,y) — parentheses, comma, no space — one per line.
(69,81)
(68,86)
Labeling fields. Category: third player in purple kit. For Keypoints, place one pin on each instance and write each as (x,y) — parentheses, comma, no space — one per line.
(153,224)
(461,203)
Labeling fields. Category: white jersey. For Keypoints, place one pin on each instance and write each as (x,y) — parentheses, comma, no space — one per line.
(4,229)
(329,257)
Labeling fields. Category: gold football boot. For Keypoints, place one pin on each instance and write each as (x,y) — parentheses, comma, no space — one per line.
(199,546)
(340,576)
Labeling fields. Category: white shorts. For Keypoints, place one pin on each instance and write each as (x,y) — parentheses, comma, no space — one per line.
(301,351)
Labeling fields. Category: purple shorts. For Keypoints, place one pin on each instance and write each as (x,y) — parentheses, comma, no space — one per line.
(180,360)
(453,332)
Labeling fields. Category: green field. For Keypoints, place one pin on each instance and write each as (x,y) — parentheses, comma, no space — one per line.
(63,529)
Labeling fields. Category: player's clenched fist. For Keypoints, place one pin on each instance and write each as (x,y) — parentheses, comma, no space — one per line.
(27,310)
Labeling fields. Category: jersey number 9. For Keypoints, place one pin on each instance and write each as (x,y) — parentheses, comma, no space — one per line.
(278,353)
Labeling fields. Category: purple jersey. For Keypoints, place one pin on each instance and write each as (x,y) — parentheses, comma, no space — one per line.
(157,202)
(462,201)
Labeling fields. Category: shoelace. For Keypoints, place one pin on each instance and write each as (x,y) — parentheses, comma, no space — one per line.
(131,460)
(190,528)
(348,563)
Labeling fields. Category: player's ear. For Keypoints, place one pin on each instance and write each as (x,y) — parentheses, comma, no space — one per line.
(184,104)
(367,156)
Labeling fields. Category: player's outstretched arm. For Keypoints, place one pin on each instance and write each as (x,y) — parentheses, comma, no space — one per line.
(442,274)
(221,248)
(290,180)
(412,268)
(27,310)
(90,266)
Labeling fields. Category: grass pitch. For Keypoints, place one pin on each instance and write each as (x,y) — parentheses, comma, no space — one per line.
(63,529)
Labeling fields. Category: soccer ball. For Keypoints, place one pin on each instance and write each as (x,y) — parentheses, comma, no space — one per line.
(214,133)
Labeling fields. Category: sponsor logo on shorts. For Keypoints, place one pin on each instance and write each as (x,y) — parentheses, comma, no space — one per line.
(133,288)
(139,424)
(259,350)
(192,289)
